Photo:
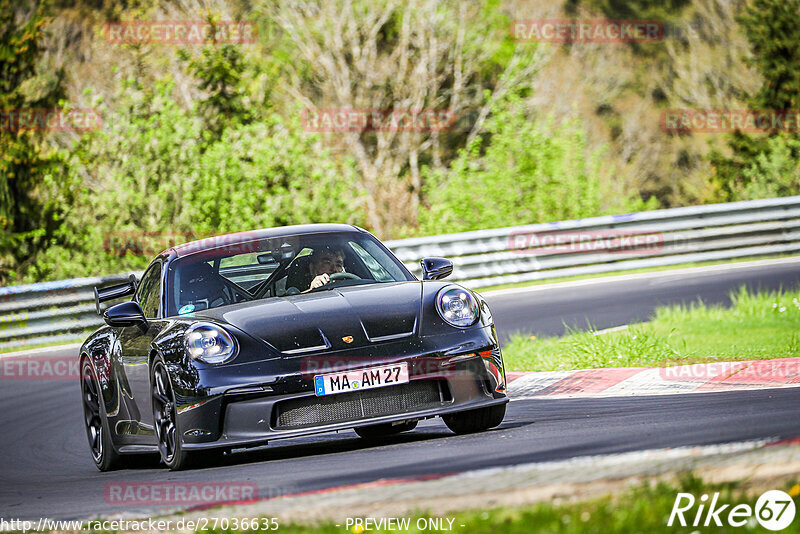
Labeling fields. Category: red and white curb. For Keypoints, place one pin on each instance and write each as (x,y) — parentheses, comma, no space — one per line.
(624,381)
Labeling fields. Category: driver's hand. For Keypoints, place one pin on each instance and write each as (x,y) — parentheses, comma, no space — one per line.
(319,281)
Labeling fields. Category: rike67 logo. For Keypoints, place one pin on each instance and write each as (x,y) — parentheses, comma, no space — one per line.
(774,510)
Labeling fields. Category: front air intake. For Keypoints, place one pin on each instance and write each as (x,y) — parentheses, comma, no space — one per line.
(315,411)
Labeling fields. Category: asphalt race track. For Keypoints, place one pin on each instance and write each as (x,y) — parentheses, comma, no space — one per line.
(46,470)
(605,303)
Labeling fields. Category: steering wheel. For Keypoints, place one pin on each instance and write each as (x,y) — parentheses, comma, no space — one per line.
(343,276)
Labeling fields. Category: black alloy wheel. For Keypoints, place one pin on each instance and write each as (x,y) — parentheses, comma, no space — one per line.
(165,418)
(103,453)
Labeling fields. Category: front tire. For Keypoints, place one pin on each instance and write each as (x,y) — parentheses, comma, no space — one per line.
(385,429)
(105,457)
(476,420)
(165,418)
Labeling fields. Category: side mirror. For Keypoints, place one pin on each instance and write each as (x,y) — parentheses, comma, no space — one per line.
(436,268)
(125,314)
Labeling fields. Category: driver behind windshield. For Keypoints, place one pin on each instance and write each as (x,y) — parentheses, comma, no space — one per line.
(324,262)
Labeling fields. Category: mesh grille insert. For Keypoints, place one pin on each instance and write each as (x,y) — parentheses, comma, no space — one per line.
(338,408)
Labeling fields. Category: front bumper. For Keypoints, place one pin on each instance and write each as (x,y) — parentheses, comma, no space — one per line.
(447,375)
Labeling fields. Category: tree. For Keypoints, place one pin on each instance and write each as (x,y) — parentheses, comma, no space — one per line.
(149,176)
(774,37)
(775,172)
(399,56)
(27,163)
(525,170)
(772,30)
(218,70)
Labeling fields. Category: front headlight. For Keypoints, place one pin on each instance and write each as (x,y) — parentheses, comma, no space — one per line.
(457,306)
(209,343)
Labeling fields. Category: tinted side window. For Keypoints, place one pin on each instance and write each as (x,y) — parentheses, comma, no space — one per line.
(375,268)
(149,293)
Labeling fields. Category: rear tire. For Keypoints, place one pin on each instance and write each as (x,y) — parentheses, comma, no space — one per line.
(384,430)
(476,420)
(105,457)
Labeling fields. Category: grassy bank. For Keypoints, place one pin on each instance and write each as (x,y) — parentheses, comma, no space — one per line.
(645,508)
(757,326)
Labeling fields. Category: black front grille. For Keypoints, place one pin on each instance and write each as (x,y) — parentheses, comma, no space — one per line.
(338,408)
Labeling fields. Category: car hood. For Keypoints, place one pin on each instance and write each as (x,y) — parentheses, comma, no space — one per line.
(340,318)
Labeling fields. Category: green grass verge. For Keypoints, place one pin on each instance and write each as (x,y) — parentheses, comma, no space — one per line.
(632,271)
(644,508)
(756,327)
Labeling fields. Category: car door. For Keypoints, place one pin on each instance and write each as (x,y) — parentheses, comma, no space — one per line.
(135,343)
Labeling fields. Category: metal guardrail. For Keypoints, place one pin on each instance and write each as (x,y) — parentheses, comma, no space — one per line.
(63,310)
(50,312)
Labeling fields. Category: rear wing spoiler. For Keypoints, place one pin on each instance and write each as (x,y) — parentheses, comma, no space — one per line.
(114,292)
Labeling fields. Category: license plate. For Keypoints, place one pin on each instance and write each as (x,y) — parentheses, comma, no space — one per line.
(372,377)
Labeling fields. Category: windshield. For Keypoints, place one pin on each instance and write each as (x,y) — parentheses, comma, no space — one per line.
(278,267)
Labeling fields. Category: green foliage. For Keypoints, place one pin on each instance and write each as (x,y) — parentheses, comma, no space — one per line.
(502,47)
(760,166)
(28,166)
(158,173)
(774,36)
(154,175)
(774,172)
(218,148)
(135,171)
(218,70)
(526,170)
(727,168)
(295,179)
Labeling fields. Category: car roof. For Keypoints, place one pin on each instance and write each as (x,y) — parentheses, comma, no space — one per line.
(192,247)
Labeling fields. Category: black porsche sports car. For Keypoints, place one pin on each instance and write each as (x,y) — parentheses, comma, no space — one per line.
(233,341)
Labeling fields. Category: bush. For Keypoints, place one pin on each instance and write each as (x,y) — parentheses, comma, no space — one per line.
(148,171)
(270,173)
(774,173)
(526,170)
